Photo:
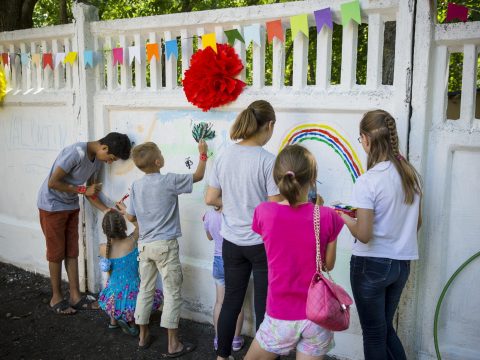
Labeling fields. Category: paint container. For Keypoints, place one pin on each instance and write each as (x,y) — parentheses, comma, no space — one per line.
(346,209)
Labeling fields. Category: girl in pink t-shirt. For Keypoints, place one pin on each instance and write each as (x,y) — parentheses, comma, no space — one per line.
(288,233)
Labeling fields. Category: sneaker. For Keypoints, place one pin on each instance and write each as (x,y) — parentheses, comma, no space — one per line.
(237,343)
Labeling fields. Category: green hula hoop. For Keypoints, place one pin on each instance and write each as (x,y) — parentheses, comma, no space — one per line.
(439,303)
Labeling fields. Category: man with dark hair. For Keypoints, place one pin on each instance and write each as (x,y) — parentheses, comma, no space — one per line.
(59,208)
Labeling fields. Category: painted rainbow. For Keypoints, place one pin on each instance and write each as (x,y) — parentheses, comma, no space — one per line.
(330,137)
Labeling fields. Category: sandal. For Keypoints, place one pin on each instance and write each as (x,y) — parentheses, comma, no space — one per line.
(127,328)
(187,347)
(237,343)
(86,303)
(147,344)
(113,326)
(61,308)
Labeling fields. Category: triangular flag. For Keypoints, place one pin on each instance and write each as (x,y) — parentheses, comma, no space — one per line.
(233,35)
(24,58)
(252,33)
(323,17)
(47,60)
(455,11)
(59,58)
(299,23)
(209,40)
(274,28)
(70,58)
(36,59)
(97,58)
(152,51)
(134,54)
(351,10)
(117,56)
(5,59)
(171,48)
(13,58)
(88,59)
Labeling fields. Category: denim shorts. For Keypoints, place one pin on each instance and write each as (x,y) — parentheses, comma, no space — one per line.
(218,272)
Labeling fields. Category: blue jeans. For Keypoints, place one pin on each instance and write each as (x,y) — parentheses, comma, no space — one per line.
(377,284)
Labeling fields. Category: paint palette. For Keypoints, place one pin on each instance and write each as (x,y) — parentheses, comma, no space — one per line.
(346,209)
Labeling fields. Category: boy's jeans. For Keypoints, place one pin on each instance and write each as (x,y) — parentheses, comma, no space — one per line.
(377,285)
(160,256)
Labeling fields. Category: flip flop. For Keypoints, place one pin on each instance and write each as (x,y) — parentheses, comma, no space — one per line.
(187,347)
(113,326)
(61,307)
(147,344)
(85,303)
(127,329)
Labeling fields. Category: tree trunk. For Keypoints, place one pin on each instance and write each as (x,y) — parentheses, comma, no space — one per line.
(389,53)
(16,14)
(62,12)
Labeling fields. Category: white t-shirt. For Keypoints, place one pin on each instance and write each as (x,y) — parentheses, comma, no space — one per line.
(394,223)
(244,174)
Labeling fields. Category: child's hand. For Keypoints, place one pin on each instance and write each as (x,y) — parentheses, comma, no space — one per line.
(93,189)
(202,147)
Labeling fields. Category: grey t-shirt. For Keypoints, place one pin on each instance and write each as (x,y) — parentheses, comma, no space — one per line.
(79,168)
(244,174)
(154,201)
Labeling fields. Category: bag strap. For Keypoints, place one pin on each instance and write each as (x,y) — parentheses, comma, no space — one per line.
(316,225)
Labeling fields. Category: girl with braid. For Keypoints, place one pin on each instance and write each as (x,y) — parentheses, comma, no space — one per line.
(119,258)
(388,198)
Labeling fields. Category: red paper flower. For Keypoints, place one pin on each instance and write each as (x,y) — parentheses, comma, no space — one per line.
(210,81)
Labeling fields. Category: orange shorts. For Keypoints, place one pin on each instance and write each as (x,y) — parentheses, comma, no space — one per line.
(61,233)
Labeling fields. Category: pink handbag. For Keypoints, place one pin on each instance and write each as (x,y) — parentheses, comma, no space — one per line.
(328,304)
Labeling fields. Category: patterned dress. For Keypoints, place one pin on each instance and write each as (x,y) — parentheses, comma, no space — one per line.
(119,297)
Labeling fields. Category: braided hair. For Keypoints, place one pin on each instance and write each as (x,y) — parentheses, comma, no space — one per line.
(114,227)
(380,127)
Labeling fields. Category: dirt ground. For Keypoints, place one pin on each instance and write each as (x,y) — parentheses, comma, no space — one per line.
(29,330)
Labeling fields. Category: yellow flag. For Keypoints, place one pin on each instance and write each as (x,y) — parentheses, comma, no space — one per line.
(299,23)
(71,57)
(36,59)
(209,40)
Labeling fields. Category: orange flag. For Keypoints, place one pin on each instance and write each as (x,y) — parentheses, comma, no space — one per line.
(274,28)
(152,50)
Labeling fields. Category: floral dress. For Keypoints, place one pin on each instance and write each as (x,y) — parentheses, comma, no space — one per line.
(119,297)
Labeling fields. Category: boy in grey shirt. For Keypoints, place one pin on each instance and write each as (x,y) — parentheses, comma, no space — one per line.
(154,204)
(58,209)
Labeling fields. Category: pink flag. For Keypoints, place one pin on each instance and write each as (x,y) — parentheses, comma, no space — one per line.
(455,11)
(117,56)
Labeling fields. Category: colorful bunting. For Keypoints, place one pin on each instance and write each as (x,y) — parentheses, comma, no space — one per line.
(209,40)
(233,35)
(152,51)
(117,56)
(455,11)
(5,59)
(323,17)
(351,10)
(134,53)
(47,60)
(171,48)
(24,58)
(70,58)
(252,33)
(13,58)
(59,59)
(275,29)
(299,23)
(88,59)
(36,59)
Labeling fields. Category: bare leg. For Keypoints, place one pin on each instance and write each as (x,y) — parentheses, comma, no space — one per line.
(113,321)
(55,280)
(174,345)
(71,265)
(238,328)
(302,356)
(218,305)
(257,353)
(144,334)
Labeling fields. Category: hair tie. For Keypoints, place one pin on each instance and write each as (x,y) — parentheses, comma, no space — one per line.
(253,111)
(400,157)
(291,173)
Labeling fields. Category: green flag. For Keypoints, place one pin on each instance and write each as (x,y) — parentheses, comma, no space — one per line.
(350,10)
(299,23)
(233,35)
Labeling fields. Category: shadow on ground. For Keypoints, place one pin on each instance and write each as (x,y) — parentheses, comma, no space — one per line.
(30,330)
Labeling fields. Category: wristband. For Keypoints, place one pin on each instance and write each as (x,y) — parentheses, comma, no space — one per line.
(203,157)
(81,189)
